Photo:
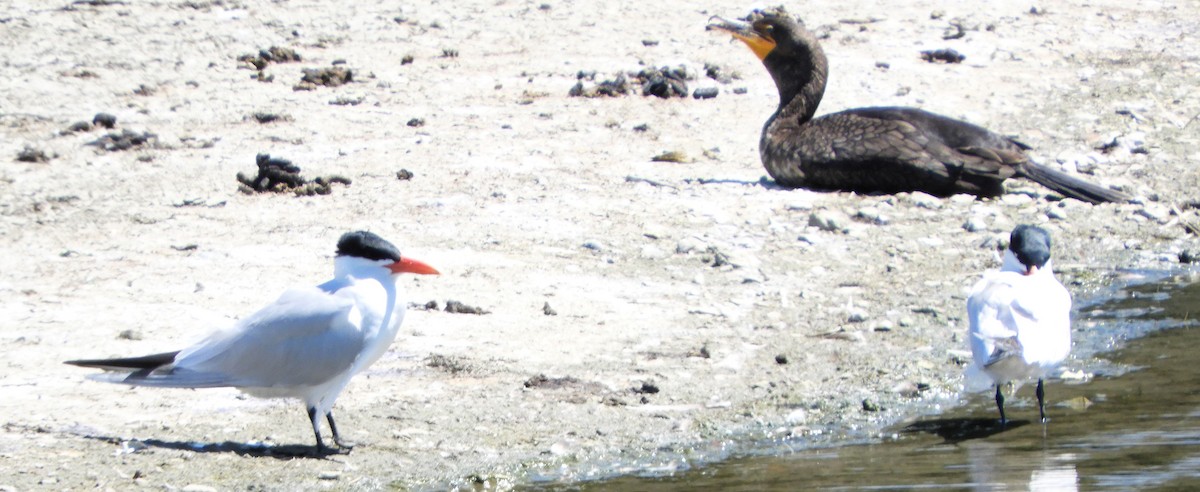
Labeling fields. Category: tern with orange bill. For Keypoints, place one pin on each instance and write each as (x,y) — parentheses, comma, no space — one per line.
(307,344)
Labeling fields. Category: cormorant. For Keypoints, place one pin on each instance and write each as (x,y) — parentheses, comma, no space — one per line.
(879,149)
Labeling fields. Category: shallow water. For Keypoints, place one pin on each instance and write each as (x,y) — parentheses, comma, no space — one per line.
(1135,425)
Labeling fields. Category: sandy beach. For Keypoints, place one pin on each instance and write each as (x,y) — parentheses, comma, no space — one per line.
(638,314)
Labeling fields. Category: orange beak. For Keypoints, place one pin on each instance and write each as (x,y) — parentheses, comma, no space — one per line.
(1030,270)
(409,265)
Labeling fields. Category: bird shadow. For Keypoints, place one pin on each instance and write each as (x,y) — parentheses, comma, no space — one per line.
(283,452)
(956,430)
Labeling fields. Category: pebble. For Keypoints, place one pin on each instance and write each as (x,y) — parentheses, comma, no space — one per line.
(1015,199)
(799,206)
(593,245)
(883,325)
(1189,256)
(796,417)
(689,245)
(975,224)
(652,252)
(857,316)
(1156,212)
(829,221)
(872,215)
(907,321)
(329,475)
(1056,213)
(933,242)
(925,200)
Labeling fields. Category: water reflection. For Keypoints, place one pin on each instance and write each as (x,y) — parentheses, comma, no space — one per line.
(1121,430)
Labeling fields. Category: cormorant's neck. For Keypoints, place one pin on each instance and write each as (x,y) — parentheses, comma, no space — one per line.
(800,78)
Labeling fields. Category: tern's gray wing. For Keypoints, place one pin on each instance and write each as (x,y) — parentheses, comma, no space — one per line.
(306,337)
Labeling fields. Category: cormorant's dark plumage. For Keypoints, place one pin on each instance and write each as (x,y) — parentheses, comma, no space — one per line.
(883,149)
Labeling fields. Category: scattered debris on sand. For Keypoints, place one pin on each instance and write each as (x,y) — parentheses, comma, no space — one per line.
(277,175)
(274,54)
(329,77)
(31,154)
(947,55)
(458,307)
(663,82)
(267,117)
(124,140)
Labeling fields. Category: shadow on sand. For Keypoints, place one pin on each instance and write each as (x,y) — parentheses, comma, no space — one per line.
(284,452)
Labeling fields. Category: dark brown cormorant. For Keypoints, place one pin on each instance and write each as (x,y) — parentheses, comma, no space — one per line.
(883,149)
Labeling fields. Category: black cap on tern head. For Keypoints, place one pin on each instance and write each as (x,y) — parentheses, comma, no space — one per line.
(363,244)
(1031,245)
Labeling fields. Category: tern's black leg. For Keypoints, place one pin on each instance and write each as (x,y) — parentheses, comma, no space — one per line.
(316,426)
(1000,404)
(322,449)
(333,428)
(1041,394)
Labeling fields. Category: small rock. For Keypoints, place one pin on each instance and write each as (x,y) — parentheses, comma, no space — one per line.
(647,387)
(781,359)
(857,316)
(799,206)
(559,448)
(689,245)
(105,120)
(870,406)
(548,311)
(705,93)
(672,156)
(828,220)
(652,252)
(1056,213)
(796,417)
(883,326)
(925,200)
(416,122)
(329,475)
(906,322)
(404,175)
(906,388)
(129,335)
(975,224)
(1156,212)
(1189,256)
(593,245)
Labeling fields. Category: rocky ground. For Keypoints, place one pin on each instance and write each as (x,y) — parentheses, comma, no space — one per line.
(647,299)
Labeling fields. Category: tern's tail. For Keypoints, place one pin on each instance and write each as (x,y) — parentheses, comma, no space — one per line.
(1070,186)
(144,363)
(152,370)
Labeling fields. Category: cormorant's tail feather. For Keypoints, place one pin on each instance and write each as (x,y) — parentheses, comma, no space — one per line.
(1070,186)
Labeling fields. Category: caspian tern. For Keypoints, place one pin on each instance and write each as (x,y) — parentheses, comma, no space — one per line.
(306,345)
(1020,316)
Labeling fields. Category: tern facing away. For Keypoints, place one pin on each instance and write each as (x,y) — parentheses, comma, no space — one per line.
(305,345)
(1020,316)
